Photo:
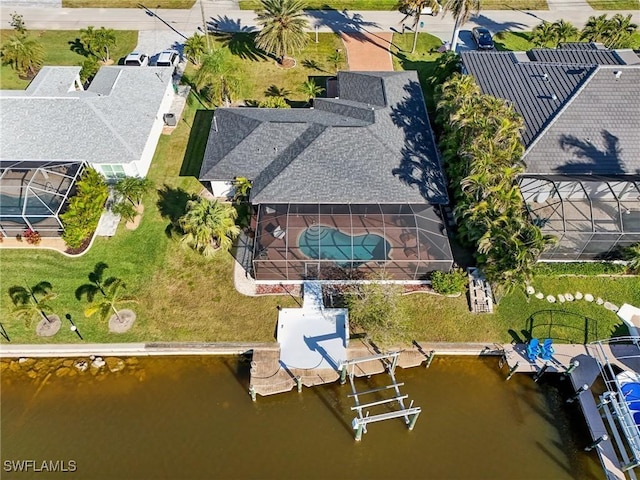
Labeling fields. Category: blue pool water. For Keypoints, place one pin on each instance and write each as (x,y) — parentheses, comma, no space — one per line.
(326,243)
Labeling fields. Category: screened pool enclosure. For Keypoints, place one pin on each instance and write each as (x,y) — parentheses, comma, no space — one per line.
(592,218)
(33,194)
(350,241)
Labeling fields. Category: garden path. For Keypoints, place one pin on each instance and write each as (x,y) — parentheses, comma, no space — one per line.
(368,51)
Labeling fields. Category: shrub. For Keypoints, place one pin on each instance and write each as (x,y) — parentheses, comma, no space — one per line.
(85,208)
(32,237)
(448,283)
(90,67)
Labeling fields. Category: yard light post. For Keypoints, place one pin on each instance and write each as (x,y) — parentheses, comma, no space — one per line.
(73,327)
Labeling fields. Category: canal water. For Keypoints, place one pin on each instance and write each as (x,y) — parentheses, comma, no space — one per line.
(191,418)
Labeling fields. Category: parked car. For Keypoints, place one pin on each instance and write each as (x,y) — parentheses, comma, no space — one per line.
(168,58)
(135,59)
(483,38)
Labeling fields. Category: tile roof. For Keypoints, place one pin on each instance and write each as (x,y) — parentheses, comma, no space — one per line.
(580,106)
(373,144)
(110,122)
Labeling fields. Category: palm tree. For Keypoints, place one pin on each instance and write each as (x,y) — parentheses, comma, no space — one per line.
(28,305)
(543,34)
(274,102)
(445,66)
(414,8)
(596,29)
(220,77)
(311,90)
(194,48)
(133,189)
(25,54)
(564,31)
(98,42)
(126,210)
(461,11)
(241,189)
(620,30)
(283,27)
(111,296)
(335,58)
(209,226)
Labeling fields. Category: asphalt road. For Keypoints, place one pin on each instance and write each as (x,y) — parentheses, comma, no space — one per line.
(226,17)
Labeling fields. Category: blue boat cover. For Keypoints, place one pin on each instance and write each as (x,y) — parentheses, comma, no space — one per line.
(631,392)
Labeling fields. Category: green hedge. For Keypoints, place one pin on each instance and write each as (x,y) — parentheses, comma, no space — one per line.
(585,268)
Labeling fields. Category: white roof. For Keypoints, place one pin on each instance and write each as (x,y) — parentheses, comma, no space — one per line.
(110,122)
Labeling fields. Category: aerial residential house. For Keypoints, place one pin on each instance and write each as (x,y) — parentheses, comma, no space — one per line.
(53,129)
(581,110)
(351,186)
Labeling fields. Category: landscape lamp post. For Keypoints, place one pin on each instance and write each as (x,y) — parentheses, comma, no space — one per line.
(73,327)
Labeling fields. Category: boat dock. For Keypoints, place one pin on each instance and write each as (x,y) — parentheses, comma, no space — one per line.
(585,373)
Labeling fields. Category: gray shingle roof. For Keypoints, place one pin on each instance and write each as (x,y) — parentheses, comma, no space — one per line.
(108,123)
(592,126)
(374,144)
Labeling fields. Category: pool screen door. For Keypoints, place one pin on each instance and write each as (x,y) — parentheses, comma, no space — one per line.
(312,270)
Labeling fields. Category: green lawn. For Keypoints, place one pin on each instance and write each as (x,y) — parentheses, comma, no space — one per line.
(127,4)
(61,48)
(520,41)
(614,4)
(261,71)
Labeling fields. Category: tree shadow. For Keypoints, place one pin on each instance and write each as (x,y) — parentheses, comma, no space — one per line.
(496,26)
(241,44)
(312,65)
(275,91)
(601,158)
(172,204)
(194,154)
(76,46)
(338,21)
(90,290)
(420,165)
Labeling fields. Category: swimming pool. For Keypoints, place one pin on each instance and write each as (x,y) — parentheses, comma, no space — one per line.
(321,242)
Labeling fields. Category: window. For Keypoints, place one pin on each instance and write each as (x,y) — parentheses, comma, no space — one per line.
(113,172)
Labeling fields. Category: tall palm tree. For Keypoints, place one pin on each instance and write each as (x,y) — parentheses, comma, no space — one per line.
(194,48)
(32,302)
(311,90)
(621,28)
(564,31)
(413,9)
(209,226)
(543,34)
(461,11)
(106,303)
(219,77)
(335,58)
(596,29)
(133,188)
(283,27)
(25,54)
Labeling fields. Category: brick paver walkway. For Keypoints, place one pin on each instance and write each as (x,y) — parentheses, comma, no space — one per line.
(368,51)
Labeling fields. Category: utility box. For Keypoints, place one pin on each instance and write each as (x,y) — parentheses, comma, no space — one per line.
(170,119)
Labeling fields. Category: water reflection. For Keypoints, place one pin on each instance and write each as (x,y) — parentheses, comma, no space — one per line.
(191,418)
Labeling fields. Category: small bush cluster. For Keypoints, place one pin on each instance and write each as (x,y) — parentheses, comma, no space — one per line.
(32,237)
(449,283)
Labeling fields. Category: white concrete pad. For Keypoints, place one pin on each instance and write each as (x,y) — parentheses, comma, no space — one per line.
(313,339)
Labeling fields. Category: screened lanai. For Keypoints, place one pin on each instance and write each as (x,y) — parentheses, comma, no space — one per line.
(348,241)
(592,218)
(34,193)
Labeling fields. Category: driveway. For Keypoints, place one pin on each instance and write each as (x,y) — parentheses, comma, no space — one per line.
(368,51)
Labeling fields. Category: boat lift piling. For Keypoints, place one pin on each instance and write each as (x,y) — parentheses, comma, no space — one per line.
(538,375)
(362,419)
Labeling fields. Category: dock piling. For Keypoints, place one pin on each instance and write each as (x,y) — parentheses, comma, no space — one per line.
(299,383)
(414,419)
(572,366)
(602,438)
(583,388)
(343,374)
(252,392)
(432,354)
(512,370)
(538,375)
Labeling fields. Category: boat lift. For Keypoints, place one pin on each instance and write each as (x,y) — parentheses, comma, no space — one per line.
(363,418)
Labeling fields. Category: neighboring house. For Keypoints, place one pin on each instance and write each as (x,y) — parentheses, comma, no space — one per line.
(581,110)
(51,130)
(349,187)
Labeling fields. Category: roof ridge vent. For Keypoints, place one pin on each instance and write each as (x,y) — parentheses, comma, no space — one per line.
(617,73)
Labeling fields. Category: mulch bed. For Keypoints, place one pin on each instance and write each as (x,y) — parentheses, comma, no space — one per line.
(81,248)
(278,290)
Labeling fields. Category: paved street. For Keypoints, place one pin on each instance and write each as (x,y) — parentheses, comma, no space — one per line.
(226,16)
